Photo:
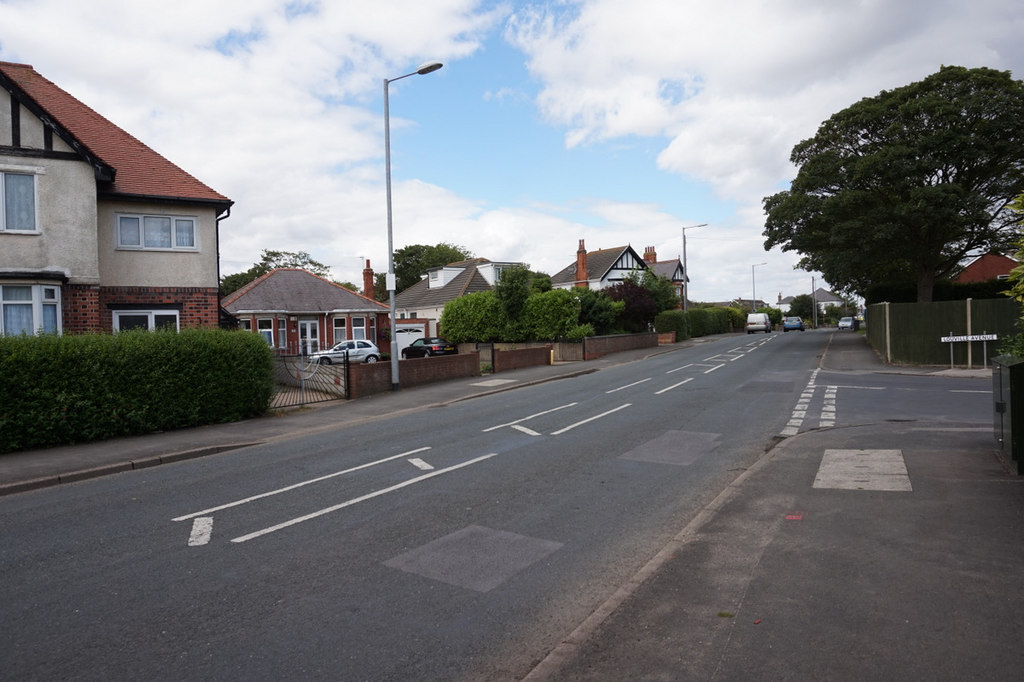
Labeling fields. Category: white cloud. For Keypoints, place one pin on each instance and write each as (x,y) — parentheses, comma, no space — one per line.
(276,104)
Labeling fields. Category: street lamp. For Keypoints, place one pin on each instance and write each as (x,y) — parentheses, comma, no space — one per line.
(686,270)
(753,289)
(390,280)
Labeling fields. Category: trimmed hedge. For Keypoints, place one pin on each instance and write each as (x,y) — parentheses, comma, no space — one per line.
(673,321)
(76,388)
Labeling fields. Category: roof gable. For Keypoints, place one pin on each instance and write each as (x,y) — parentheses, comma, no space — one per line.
(293,290)
(136,170)
(600,265)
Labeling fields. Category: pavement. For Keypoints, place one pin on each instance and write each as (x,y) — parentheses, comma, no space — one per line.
(775,579)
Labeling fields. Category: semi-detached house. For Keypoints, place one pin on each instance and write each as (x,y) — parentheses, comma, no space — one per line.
(98,232)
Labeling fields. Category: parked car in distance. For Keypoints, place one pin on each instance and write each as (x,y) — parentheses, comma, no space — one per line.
(358,351)
(792,323)
(846,323)
(427,346)
(758,322)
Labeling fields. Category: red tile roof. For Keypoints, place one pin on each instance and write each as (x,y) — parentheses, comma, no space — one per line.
(140,171)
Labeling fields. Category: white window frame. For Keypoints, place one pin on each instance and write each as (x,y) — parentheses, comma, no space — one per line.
(34,173)
(340,326)
(140,242)
(43,297)
(359,328)
(265,328)
(151,315)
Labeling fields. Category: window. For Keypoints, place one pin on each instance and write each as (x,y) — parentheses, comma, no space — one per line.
(339,329)
(18,202)
(358,327)
(282,333)
(30,309)
(156,232)
(126,320)
(265,328)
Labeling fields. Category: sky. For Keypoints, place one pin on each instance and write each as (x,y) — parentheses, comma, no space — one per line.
(616,122)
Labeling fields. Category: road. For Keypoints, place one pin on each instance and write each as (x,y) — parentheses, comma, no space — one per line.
(456,542)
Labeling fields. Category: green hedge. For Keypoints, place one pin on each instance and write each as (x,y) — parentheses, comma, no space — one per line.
(70,389)
(673,321)
(705,321)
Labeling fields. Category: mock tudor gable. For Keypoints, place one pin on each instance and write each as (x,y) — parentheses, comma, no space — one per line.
(98,232)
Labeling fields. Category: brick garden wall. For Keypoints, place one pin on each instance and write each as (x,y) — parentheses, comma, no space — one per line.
(505,360)
(368,379)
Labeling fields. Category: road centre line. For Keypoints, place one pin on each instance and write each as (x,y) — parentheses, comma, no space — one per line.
(589,419)
(665,390)
(714,368)
(678,369)
(297,485)
(635,383)
(519,421)
(357,500)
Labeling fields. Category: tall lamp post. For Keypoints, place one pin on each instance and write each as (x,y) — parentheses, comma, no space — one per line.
(424,69)
(686,270)
(753,288)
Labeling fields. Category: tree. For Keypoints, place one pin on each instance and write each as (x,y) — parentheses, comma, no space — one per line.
(513,290)
(640,307)
(802,306)
(477,317)
(412,262)
(908,182)
(597,310)
(271,260)
(661,288)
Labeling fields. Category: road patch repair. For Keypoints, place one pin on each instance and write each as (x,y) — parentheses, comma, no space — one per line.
(863,470)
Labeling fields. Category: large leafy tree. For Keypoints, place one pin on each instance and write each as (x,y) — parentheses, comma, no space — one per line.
(907,183)
(271,260)
(413,261)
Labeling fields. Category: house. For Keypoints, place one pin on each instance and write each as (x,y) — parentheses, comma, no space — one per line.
(822,297)
(986,267)
(672,270)
(98,232)
(598,269)
(419,307)
(299,312)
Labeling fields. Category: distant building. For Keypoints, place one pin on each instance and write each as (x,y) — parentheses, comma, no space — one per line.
(598,269)
(986,267)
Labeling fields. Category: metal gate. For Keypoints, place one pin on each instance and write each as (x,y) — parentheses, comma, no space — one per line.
(301,380)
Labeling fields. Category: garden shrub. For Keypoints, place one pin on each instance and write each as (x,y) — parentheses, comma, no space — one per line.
(78,388)
(673,321)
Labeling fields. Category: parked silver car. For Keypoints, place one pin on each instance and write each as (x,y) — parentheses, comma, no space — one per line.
(358,351)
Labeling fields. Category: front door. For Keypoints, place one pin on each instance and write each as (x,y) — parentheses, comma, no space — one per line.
(309,336)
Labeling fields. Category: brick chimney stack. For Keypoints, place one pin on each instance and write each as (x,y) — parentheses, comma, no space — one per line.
(368,280)
(650,255)
(581,266)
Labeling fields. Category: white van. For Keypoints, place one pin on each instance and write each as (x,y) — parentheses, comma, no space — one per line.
(758,322)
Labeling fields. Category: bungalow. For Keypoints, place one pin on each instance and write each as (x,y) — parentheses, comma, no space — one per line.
(420,306)
(298,312)
(986,267)
(98,232)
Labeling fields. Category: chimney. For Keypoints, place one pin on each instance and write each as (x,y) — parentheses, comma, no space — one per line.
(581,266)
(650,255)
(368,280)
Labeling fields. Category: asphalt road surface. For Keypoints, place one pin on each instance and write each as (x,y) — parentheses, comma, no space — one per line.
(461,542)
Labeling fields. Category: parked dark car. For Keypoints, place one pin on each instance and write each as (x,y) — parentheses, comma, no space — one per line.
(427,346)
(792,323)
